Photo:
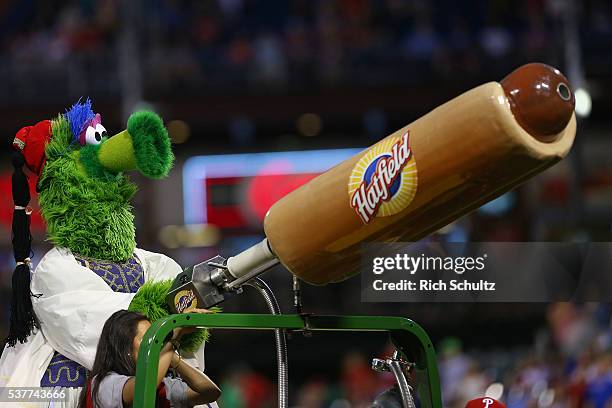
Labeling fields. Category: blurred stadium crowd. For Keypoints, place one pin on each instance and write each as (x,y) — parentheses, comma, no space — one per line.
(558,355)
(228,45)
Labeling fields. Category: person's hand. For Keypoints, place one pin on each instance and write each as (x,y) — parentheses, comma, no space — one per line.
(181,331)
(203,311)
(176,359)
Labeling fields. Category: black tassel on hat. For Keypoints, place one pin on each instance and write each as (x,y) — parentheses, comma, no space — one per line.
(22,314)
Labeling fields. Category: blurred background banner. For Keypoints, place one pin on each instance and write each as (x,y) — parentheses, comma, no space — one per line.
(237,190)
(259,96)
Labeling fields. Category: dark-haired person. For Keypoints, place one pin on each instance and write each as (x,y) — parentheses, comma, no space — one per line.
(112,379)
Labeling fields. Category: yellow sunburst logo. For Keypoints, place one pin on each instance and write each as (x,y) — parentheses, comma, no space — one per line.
(384,180)
(185,301)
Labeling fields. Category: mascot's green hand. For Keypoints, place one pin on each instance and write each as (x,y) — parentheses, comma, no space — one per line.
(150,300)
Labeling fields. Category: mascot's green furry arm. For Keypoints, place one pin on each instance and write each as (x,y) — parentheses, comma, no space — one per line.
(85,198)
(151,301)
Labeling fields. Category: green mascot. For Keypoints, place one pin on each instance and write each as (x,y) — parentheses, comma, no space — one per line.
(94,267)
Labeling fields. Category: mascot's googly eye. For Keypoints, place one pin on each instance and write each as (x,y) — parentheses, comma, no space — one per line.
(93,136)
(102,130)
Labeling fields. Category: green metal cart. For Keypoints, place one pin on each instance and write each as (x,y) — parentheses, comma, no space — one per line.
(411,341)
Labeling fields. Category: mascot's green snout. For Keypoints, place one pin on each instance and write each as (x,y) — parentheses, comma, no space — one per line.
(143,146)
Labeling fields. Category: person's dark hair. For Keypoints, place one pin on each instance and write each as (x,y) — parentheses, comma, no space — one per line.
(114,353)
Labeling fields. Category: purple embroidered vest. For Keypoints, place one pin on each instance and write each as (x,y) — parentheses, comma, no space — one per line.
(124,277)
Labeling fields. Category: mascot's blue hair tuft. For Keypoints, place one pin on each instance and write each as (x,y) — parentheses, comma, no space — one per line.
(78,115)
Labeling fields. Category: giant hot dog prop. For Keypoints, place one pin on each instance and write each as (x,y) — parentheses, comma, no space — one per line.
(445,164)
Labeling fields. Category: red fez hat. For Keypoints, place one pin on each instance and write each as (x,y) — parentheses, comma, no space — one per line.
(31,141)
(484,402)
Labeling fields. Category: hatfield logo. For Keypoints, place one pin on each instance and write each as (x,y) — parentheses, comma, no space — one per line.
(185,300)
(384,180)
